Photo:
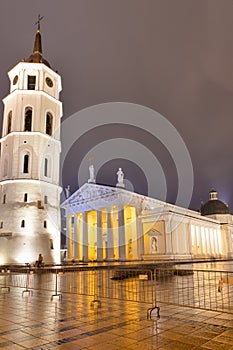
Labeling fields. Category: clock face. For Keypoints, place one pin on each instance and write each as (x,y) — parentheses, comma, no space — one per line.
(49,82)
(15,80)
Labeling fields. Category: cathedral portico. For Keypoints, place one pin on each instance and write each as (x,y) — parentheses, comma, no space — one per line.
(110,230)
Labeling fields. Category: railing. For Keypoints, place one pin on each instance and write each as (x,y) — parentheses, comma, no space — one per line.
(115,283)
(203,289)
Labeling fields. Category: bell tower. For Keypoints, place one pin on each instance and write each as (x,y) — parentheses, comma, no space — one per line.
(29,162)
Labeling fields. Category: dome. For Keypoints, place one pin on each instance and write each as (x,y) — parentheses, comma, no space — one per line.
(214,205)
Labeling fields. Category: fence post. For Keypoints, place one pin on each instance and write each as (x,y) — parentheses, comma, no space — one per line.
(95,290)
(154,299)
(27,290)
(59,295)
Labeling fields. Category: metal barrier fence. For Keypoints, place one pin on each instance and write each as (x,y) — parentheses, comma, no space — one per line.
(203,289)
(113,283)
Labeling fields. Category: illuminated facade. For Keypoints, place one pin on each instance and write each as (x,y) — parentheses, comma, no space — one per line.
(29,162)
(111,223)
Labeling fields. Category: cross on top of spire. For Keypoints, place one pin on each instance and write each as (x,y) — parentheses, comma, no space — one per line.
(38,22)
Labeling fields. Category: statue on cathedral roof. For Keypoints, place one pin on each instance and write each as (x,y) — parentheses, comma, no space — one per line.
(92,174)
(120,178)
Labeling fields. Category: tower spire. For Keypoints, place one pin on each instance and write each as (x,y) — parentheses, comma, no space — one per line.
(37,44)
(36,57)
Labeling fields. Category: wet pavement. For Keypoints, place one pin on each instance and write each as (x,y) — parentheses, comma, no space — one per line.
(34,321)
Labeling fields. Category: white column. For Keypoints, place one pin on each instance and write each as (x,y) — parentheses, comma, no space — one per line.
(168,236)
(218,242)
(70,237)
(203,239)
(121,235)
(67,236)
(209,248)
(99,236)
(189,238)
(79,237)
(75,237)
(193,240)
(140,236)
(199,241)
(110,245)
(85,237)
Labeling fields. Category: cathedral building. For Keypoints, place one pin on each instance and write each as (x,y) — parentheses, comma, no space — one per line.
(106,223)
(29,162)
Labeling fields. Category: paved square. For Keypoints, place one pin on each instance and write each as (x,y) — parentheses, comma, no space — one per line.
(36,322)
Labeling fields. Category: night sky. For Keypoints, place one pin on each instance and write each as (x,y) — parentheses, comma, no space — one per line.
(172,56)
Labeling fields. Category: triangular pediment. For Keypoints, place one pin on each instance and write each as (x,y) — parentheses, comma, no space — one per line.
(94,196)
(89,192)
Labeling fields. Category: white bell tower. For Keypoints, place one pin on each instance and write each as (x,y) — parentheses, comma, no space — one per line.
(29,162)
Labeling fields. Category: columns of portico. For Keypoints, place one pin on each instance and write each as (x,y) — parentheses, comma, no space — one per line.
(209,242)
(110,241)
(121,235)
(84,237)
(69,230)
(75,238)
(67,236)
(217,242)
(140,236)
(199,241)
(194,240)
(79,236)
(99,233)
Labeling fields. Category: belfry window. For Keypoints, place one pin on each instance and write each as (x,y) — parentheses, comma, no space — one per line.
(31,82)
(9,122)
(25,197)
(23,223)
(49,124)
(5,169)
(28,119)
(25,164)
(46,167)
(51,244)
(4,199)
(45,224)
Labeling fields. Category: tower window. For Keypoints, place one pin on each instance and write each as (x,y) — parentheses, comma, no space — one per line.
(45,224)
(4,199)
(25,197)
(45,199)
(23,223)
(40,205)
(28,119)
(49,124)
(9,122)
(1,224)
(51,244)
(5,169)
(25,163)
(46,167)
(31,82)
